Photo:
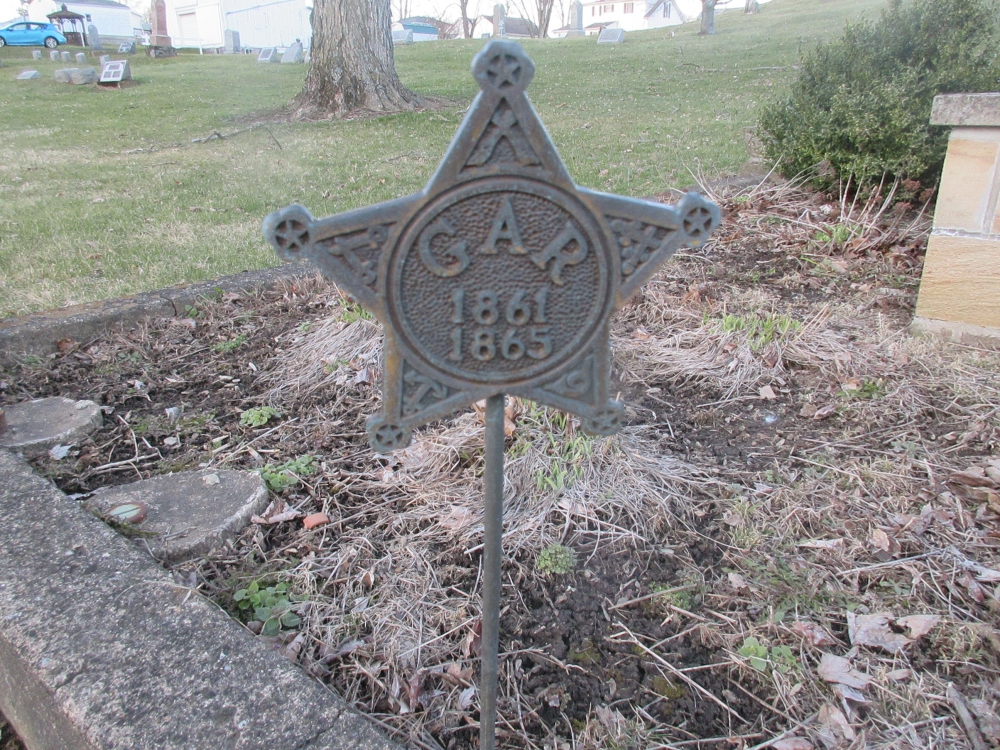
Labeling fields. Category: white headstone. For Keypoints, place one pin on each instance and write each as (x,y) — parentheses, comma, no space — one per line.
(269,55)
(54,55)
(27,75)
(36,54)
(65,56)
(575,19)
(115,71)
(81,76)
(293,54)
(93,37)
(611,36)
(402,36)
(232,42)
(81,58)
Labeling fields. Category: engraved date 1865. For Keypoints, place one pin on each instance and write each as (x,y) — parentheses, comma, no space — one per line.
(513,328)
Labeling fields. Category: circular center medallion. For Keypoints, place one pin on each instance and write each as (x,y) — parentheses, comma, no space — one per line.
(500,280)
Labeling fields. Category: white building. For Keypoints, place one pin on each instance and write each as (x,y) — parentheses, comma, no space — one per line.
(260,23)
(645,14)
(112,19)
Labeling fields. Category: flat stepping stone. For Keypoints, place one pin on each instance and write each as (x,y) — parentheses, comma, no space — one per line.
(35,426)
(186,514)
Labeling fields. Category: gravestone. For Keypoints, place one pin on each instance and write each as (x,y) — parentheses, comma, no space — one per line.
(36,54)
(575,19)
(94,37)
(126,48)
(114,72)
(499,277)
(158,35)
(293,54)
(63,75)
(65,56)
(268,55)
(54,55)
(499,17)
(611,36)
(81,58)
(104,60)
(82,76)
(232,42)
(402,36)
(27,75)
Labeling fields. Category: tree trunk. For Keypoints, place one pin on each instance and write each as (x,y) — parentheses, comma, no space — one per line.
(544,16)
(467,23)
(707,17)
(351,63)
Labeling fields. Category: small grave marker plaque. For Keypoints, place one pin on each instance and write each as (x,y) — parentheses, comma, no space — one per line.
(65,56)
(500,276)
(114,72)
(54,55)
(268,55)
(126,48)
(293,54)
(611,36)
(27,75)
(81,58)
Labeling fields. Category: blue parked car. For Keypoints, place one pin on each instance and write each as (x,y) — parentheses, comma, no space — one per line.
(30,32)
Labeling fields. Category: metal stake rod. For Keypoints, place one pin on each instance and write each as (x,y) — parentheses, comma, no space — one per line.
(492,555)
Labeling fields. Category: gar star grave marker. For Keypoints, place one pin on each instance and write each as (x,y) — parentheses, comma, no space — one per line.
(500,276)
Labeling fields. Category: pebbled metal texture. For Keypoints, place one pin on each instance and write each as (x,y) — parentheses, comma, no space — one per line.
(501,275)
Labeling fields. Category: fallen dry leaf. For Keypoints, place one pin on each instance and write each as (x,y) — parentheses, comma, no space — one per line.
(767,393)
(919,625)
(900,675)
(474,640)
(792,743)
(466,697)
(986,717)
(846,692)
(822,544)
(315,519)
(738,582)
(851,384)
(66,345)
(837,669)
(824,411)
(834,728)
(972,477)
(808,411)
(812,633)
(641,334)
(874,630)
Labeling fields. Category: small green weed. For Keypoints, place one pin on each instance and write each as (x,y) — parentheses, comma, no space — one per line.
(839,234)
(867,389)
(353,312)
(556,559)
(760,330)
(191,311)
(280,477)
(271,605)
(224,347)
(777,658)
(258,416)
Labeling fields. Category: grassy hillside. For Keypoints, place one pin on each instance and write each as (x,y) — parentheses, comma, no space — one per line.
(103,193)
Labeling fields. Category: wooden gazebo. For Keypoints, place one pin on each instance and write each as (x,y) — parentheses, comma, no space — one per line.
(63,16)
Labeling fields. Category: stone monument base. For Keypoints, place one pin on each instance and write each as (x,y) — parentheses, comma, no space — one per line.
(154,50)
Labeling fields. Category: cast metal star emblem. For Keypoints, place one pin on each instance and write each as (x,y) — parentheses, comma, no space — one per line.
(501,275)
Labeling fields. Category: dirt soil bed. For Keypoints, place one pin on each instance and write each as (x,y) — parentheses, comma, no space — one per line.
(793,544)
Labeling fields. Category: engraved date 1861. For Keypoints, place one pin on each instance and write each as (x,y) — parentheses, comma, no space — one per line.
(525,332)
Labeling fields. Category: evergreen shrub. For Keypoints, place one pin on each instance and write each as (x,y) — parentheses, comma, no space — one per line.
(860,107)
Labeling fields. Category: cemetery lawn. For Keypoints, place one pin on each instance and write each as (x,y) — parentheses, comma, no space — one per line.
(103,193)
(795,537)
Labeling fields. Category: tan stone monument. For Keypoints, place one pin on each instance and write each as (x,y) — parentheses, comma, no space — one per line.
(960,290)
(158,22)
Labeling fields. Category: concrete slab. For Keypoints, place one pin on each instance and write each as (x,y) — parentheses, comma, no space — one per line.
(35,426)
(191,512)
(100,648)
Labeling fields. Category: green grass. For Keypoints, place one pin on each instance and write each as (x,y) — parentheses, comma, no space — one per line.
(102,193)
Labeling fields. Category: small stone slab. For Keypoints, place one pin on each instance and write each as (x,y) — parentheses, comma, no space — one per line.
(36,54)
(81,76)
(402,36)
(116,71)
(27,75)
(66,57)
(63,75)
(81,58)
(293,54)
(104,60)
(54,55)
(191,512)
(269,55)
(611,36)
(35,426)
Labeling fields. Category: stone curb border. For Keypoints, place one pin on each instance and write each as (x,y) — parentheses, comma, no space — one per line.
(100,648)
(37,333)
